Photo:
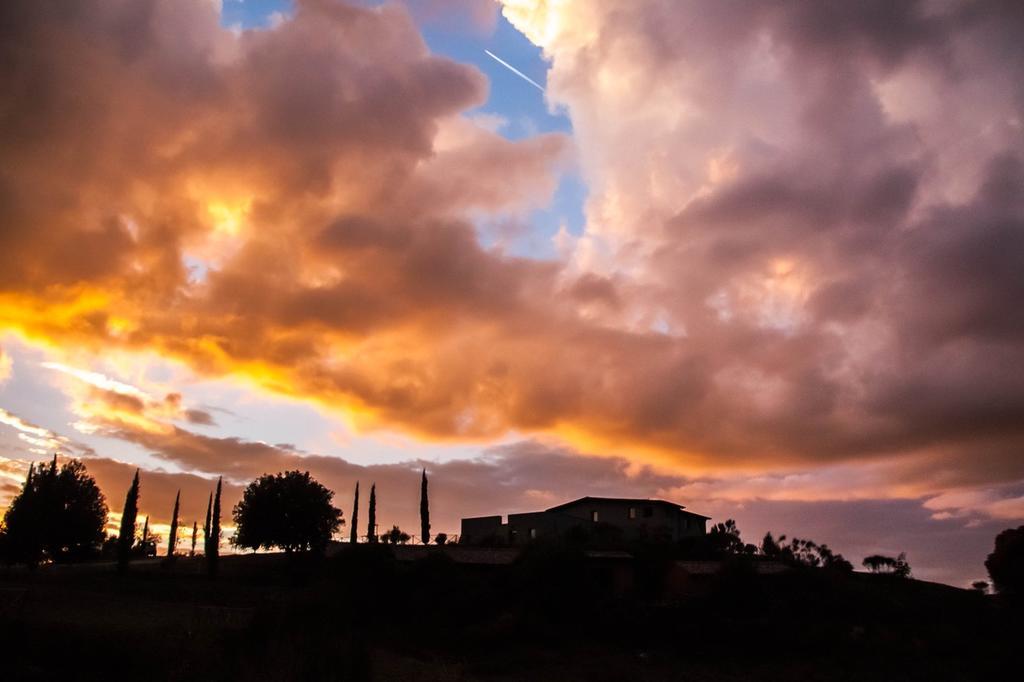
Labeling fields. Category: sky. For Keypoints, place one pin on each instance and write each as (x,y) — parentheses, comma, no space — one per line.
(764,259)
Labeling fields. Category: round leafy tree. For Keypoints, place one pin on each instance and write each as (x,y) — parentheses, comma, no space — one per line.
(290,511)
(1006,562)
(58,515)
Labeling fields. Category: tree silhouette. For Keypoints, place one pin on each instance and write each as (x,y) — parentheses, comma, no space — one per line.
(58,515)
(126,535)
(724,538)
(354,538)
(172,537)
(770,547)
(803,553)
(291,511)
(206,526)
(1006,562)
(441,539)
(395,536)
(878,563)
(213,554)
(195,532)
(902,568)
(371,516)
(147,544)
(980,586)
(424,511)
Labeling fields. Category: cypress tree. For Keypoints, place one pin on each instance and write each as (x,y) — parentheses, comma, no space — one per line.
(206,526)
(424,511)
(214,555)
(172,537)
(195,532)
(126,534)
(145,530)
(371,520)
(355,517)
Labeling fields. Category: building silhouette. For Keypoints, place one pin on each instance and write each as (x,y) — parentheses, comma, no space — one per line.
(597,517)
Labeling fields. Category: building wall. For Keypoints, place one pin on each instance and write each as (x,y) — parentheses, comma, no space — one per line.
(535,525)
(482,528)
(638,518)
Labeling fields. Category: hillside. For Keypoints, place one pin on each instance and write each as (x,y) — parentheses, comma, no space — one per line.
(552,614)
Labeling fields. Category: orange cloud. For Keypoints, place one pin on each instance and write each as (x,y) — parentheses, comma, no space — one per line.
(294,207)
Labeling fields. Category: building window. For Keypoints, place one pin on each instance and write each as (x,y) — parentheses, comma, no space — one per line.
(533,533)
(648,512)
(593,516)
(632,512)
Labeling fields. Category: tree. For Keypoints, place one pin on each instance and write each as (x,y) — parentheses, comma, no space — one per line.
(395,536)
(424,511)
(901,569)
(58,515)
(213,553)
(146,546)
(833,560)
(724,538)
(803,553)
(441,539)
(770,547)
(878,563)
(172,537)
(126,536)
(206,526)
(371,516)
(980,586)
(290,511)
(355,517)
(1006,562)
(195,533)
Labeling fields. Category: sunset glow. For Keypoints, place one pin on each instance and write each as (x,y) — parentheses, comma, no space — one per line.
(764,259)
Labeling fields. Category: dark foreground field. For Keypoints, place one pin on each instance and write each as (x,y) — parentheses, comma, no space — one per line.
(552,615)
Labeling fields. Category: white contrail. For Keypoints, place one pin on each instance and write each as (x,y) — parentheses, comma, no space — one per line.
(515,70)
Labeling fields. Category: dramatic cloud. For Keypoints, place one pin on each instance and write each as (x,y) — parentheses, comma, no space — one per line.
(39,440)
(799,279)
(821,203)
(5,366)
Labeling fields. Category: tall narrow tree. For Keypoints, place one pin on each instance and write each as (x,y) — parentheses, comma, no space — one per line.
(126,535)
(206,526)
(172,537)
(371,516)
(355,517)
(145,530)
(424,510)
(214,555)
(195,532)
